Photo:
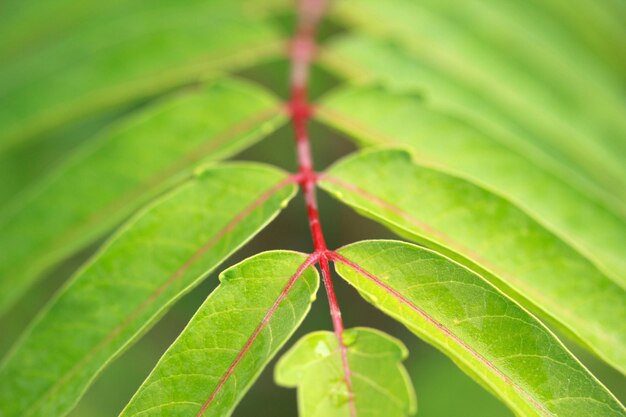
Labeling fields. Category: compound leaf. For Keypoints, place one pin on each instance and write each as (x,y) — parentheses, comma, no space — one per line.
(235,333)
(490,337)
(380,384)
(153,260)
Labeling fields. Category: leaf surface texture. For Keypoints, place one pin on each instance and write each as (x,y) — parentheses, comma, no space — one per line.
(260,302)
(490,337)
(380,384)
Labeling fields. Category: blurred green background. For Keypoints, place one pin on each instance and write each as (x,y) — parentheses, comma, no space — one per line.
(442,389)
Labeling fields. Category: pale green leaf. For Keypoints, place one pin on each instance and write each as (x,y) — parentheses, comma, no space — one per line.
(235,333)
(107,179)
(108,53)
(159,255)
(598,25)
(577,135)
(380,384)
(490,337)
(492,236)
(524,60)
(375,116)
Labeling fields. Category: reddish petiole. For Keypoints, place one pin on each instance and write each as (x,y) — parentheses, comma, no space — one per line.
(302,53)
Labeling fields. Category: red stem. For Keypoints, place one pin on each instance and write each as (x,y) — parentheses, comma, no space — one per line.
(303,49)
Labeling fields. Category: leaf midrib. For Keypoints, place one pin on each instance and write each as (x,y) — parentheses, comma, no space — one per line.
(191,157)
(546,160)
(447,332)
(310,260)
(445,239)
(475,260)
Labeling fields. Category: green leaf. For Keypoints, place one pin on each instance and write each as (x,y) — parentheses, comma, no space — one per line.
(128,165)
(22,166)
(489,336)
(374,116)
(380,384)
(581,143)
(493,237)
(598,25)
(113,53)
(158,256)
(235,333)
(512,54)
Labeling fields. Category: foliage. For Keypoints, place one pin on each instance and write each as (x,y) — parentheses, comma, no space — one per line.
(494,145)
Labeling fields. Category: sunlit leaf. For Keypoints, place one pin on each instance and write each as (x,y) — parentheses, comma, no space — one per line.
(380,384)
(374,116)
(501,134)
(159,255)
(491,236)
(120,51)
(490,337)
(235,333)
